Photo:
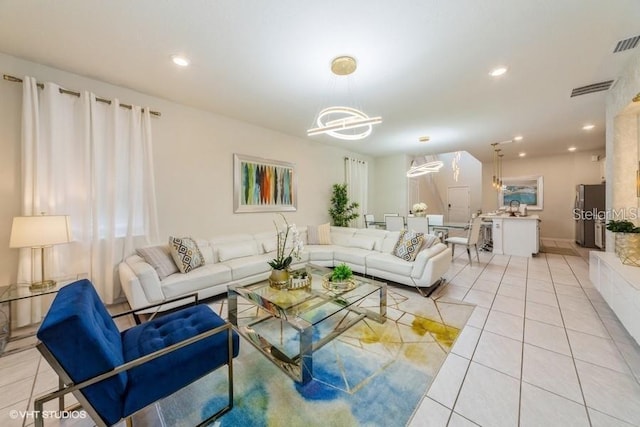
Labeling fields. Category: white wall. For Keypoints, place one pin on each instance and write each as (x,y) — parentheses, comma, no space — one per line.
(623,140)
(432,188)
(391,186)
(193,156)
(561,174)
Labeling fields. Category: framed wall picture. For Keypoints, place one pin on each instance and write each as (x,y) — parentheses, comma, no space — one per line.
(262,185)
(527,190)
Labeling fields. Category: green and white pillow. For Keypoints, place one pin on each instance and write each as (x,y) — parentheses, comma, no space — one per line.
(185,253)
(408,245)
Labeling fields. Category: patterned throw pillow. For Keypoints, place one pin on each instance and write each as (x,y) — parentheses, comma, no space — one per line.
(159,257)
(185,253)
(408,245)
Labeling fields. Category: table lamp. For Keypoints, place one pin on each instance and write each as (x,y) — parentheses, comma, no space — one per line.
(40,232)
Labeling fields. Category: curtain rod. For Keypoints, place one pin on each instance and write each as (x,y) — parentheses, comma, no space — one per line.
(357,160)
(70,92)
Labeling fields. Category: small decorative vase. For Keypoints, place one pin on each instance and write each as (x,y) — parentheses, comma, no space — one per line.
(628,248)
(420,213)
(279,279)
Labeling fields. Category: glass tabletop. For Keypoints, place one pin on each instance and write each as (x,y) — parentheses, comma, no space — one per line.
(304,307)
(19,291)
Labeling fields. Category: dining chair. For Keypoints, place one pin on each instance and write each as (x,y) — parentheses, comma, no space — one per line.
(369,221)
(394,223)
(390,214)
(419,224)
(471,239)
(436,225)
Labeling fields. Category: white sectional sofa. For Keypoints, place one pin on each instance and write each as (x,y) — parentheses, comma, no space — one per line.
(242,258)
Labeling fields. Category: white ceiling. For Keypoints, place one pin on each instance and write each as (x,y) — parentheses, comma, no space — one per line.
(422,64)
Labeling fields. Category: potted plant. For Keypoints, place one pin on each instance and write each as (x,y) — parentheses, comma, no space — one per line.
(284,254)
(627,238)
(342,211)
(340,279)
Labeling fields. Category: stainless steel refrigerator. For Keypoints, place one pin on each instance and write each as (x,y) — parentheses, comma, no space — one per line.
(588,208)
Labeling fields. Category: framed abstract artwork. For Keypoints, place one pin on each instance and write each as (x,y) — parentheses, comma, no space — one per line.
(528,190)
(262,185)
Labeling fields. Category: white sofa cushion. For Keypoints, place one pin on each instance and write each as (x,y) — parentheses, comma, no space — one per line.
(423,257)
(229,251)
(320,252)
(348,255)
(378,236)
(248,266)
(201,278)
(361,242)
(388,262)
(389,242)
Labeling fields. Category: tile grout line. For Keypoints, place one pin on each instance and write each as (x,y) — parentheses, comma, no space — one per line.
(464,377)
(524,325)
(573,359)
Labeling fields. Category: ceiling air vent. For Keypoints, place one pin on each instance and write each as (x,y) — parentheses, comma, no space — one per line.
(596,87)
(627,44)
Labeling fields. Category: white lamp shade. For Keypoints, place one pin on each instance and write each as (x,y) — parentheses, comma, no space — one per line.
(40,231)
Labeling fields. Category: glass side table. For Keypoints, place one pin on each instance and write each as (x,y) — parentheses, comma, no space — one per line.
(19,291)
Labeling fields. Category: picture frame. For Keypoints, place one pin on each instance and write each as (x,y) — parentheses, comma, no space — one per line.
(527,190)
(263,185)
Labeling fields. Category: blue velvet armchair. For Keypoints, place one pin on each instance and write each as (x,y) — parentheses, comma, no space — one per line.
(113,374)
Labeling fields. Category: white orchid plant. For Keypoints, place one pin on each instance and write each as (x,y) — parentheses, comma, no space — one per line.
(285,253)
(420,207)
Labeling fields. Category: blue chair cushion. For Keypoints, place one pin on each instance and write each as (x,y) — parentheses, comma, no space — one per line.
(163,376)
(83,338)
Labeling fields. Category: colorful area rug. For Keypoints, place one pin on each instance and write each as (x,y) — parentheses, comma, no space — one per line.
(373,374)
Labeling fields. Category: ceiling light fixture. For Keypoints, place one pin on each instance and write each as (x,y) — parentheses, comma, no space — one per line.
(424,168)
(496,72)
(180,60)
(496,182)
(572,149)
(334,121)
(518,138)
(522,154)
(424,139)
(588,126)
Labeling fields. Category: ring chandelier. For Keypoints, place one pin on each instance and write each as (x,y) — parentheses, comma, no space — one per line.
(344,122)
(424,168)
(335,120)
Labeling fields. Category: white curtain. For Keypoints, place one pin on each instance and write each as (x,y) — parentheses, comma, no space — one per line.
(357,178)
(92,161)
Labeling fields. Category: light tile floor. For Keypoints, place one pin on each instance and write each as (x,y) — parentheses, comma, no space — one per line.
(541,349)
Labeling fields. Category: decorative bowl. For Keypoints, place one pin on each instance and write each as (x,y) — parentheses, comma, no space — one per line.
(342,286)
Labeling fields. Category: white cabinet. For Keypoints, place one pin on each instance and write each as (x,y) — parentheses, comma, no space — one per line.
(619,285)
(518,236)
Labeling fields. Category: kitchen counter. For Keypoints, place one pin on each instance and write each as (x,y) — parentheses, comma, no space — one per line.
(515,235)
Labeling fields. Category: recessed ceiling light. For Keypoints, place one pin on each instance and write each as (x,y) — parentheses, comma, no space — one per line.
(572,148)
(498,71)
(424,139)
(518,138)
(522,154)
(180,60)
(588,127)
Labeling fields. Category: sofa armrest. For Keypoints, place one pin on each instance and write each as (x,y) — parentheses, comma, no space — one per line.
(423,257)
(140,282)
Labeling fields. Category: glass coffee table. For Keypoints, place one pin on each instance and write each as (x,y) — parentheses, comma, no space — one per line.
(288,326)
